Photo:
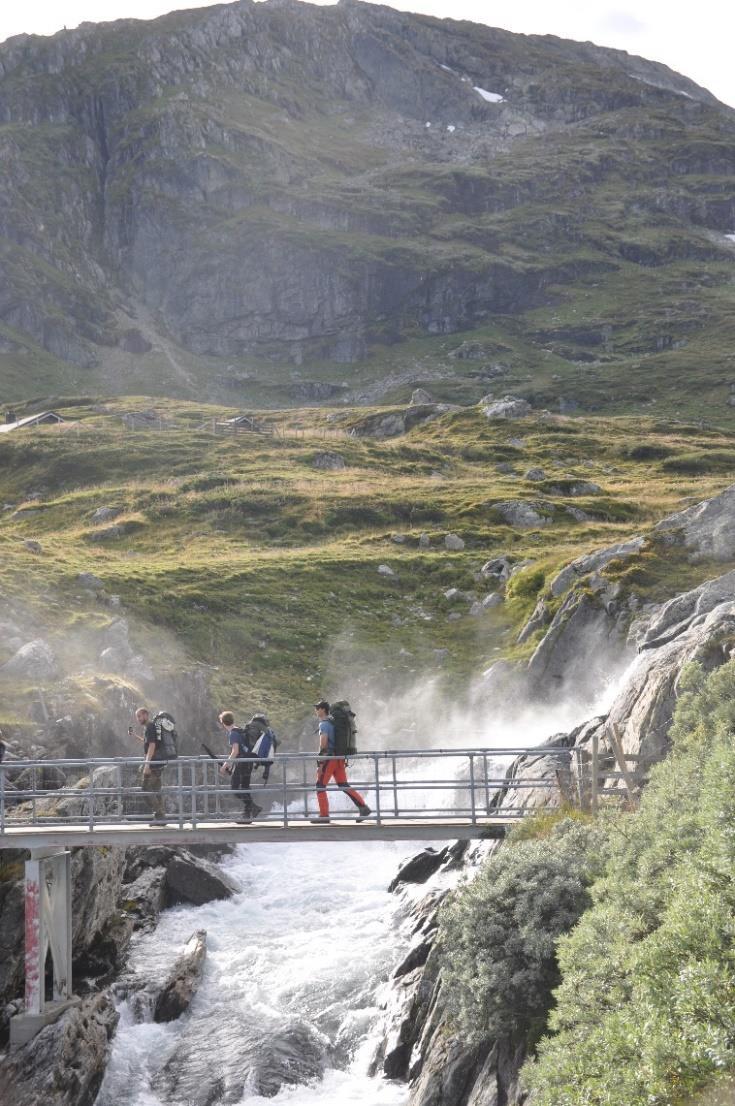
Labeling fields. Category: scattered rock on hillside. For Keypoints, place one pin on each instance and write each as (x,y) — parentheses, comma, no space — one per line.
(454,543)
(33,546)
(593,562)
(540,618)
(178,990)
(499,568)
(707,529)
(334,462)
(385,570)
(509,407)
(90,582)
(106,514)
(521,514)
(579,487)
(424,541)
(398,422)
(399,539)
(420,396)
(505,468)
(35,660)
(535,474)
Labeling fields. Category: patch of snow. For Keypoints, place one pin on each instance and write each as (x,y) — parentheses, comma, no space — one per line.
(663,87)
(427,124)
(731,237)
(491,97)
(451,128)
(447,67)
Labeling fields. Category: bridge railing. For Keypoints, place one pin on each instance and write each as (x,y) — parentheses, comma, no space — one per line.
(409,784)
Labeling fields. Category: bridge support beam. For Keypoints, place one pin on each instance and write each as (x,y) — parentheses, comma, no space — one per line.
(47,931)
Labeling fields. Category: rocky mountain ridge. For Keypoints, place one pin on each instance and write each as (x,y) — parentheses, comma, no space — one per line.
(221,196)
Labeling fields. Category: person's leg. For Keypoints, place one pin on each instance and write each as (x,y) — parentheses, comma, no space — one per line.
(323,775)
(152,788)
(340,778)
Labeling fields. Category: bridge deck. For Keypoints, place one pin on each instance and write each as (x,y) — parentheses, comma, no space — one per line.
(217,833)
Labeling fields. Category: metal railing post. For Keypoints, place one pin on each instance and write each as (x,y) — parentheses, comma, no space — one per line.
(472,789)
(395,785)
(193,767)
(285,795)
(2,798)
(376,764)
(305,786)
(487,785)
(595,781)
(180,790)
(91,795)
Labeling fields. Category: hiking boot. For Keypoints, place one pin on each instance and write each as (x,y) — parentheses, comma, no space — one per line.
(255,810)
(365,812)
(319,819)
(158,820)
(244,820)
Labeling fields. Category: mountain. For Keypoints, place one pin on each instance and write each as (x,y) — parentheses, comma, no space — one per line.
(283,202)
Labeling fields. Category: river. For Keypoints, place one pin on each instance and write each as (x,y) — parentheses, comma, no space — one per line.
(310,940)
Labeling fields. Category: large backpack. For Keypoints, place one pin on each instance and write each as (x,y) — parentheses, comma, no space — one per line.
(266,746)
(166,735)
(345,729)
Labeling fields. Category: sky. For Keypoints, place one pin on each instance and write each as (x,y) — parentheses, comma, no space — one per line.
(697,39)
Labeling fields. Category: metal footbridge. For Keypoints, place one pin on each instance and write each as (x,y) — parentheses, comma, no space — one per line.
(52,806)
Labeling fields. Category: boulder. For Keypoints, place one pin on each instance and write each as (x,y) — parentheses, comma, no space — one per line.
(145,897)
(239,1058)
(64,1064)
(419,868)
(385,570)
(105,514)
(454,543)
(33,546)
(420,396)
(178,990)
(509,407)
(593,562)
(521,514)
(89,581)
(328,461)
(194,880)
(707,529)
(498,568)
(33,661)
(535,474)
(578,487)
(424,541)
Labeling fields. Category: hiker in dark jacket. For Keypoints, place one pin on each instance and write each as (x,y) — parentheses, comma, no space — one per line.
(239,765)
(153,765)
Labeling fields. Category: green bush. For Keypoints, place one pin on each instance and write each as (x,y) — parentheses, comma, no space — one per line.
(645,1013)
(498,934)
(525,584)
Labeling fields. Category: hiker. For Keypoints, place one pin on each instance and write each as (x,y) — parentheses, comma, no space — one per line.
(239,765)
(330,767)
(153,763)
(263,743)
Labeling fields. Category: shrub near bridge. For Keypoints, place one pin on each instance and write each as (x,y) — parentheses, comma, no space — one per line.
(498,934)
(645,1013)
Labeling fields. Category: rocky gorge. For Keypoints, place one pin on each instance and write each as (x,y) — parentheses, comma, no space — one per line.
(644,646)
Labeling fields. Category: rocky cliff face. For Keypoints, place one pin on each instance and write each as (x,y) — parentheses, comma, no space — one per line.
(662,639)
(293,182)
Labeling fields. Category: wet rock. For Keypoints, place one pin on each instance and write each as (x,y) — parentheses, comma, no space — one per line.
(327,461)
(64,1064)
(416,957)
(145,897)
(180,986)
(194,880)
(34,661)
(239,1058)
(419,868)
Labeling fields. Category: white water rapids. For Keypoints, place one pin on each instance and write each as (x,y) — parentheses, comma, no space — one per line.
(312,936)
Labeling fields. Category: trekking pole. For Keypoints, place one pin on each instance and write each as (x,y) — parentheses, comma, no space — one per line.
(376,764)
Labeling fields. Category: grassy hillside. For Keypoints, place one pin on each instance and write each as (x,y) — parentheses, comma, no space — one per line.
(267,568)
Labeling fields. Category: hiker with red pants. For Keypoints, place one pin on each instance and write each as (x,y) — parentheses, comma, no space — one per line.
(332,767)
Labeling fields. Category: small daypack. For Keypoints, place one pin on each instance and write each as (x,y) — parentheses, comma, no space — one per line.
(166,735)
(345,729)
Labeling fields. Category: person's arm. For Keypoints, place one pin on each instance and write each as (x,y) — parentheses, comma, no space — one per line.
(151,737)
(228,767)
(323,739)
